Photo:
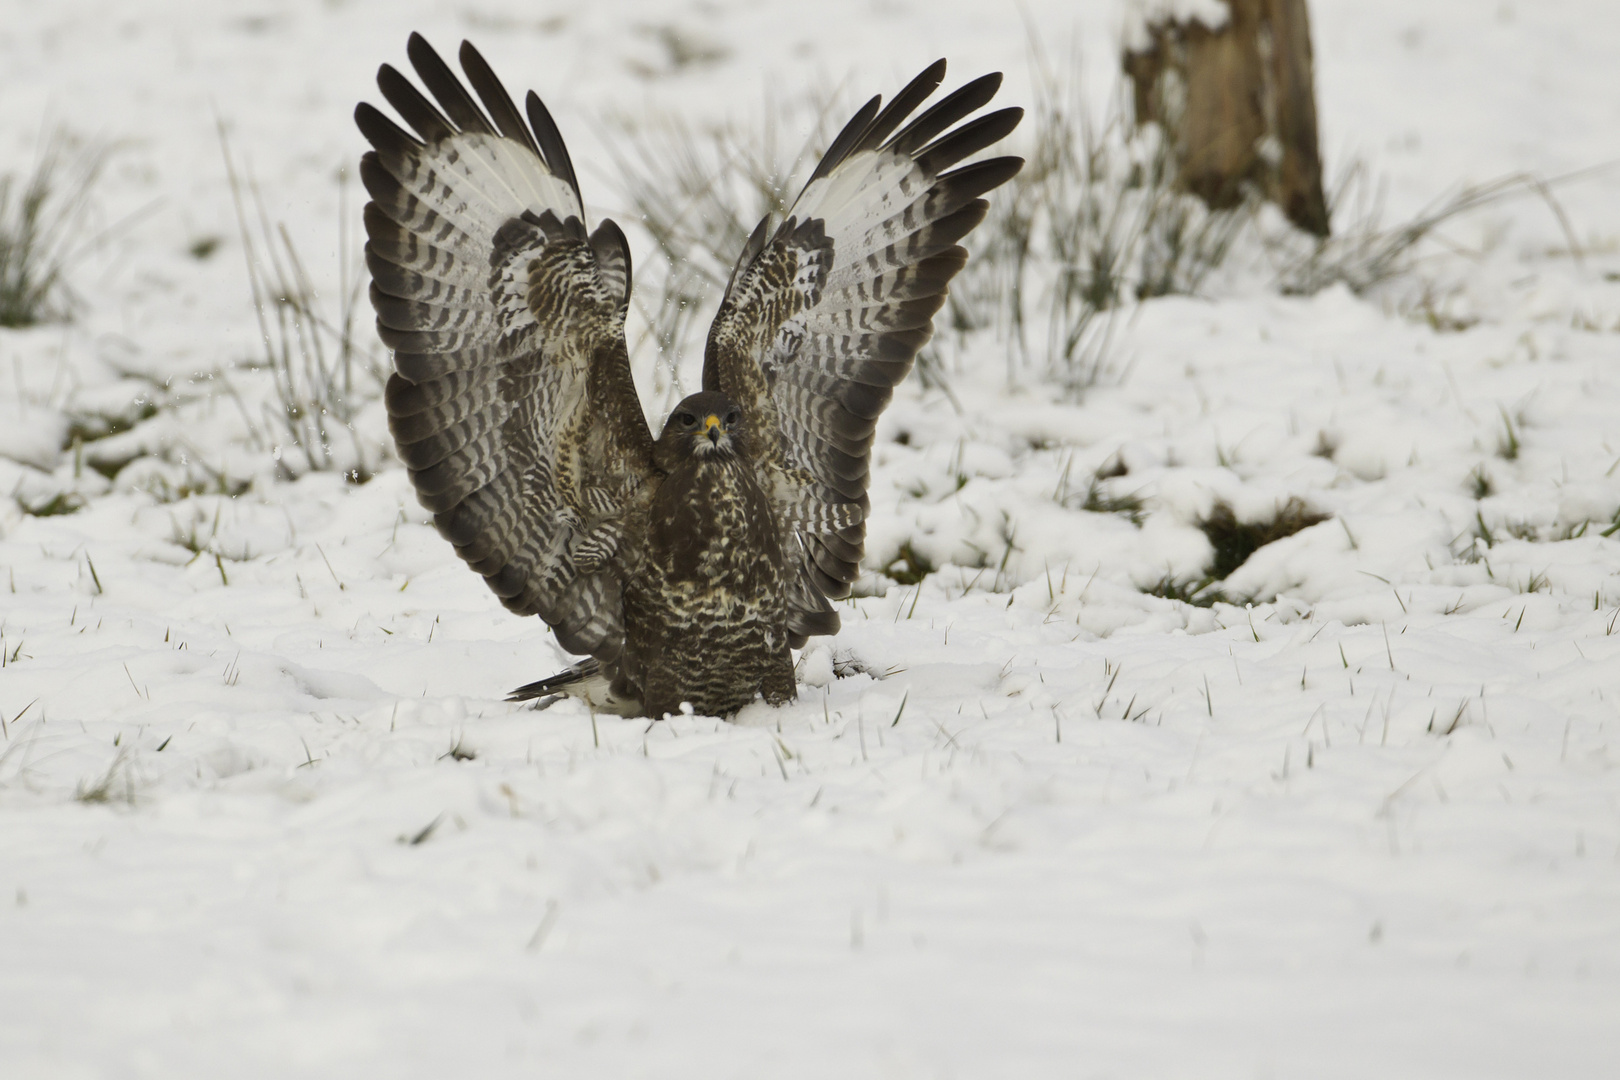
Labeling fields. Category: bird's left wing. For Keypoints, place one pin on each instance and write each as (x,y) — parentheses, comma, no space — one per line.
(512,402)
(824,315)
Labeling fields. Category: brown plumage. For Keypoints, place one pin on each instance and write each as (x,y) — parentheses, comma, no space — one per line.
(686,568)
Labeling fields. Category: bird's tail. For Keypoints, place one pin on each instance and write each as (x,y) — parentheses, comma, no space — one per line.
(584,680)
(569,680)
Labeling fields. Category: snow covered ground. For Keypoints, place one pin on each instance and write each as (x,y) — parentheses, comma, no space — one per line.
(264,813)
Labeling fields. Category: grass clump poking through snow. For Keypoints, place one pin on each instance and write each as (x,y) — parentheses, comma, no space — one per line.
(909,567)
(1092,223)
(116,785)
(322,373)
(1095,222)
(1100,496)
(42,220)
(1234,540)
(1364,254)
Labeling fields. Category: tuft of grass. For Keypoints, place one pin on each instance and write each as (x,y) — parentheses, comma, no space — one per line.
(1091,224)
(1507,444)
(459,750)
(1099,500)
(42,231)
(195,477)
(1198,594)
(88,427)
(1480,482)
(1537,581)
(908,567)
(58,505)
(1363,253)
(1428,308)
(322,372)
(1234,541)
(1522,530)
(116,785)
(1099,496)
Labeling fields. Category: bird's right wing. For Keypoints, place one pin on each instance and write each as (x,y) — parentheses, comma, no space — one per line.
(512,404)
(824,315)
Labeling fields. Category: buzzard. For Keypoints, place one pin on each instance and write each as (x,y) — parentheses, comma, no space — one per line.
(688,566)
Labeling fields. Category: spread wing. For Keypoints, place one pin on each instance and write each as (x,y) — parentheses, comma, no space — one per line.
(823,317)
(512,403)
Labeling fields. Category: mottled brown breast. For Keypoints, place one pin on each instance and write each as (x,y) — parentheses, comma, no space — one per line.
(713,526)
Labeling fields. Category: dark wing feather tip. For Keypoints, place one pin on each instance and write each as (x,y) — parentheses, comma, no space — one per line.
(847,139)
(955,106)
(551,142)
(408,101)
(497,102)
(903,105)
(446,89)
(970,138)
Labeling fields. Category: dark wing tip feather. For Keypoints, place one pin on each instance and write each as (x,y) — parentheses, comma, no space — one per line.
(848,139)
(954,106)
(903,105)
(495,98)
(755,245)
(830,587)
(377,181)
(970,138)
(838,546)
(866,402)
(552,147)
(461,112)
(445,87)
(971,181)
(415,109)
(946,231)
(382,132)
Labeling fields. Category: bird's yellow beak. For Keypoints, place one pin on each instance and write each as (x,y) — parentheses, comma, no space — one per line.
(711,422)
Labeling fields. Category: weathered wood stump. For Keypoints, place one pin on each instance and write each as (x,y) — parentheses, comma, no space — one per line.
(1237,105)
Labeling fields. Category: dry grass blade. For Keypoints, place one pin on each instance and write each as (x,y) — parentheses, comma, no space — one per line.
(322,375)
(1364,254)
(1091,225)
(42,226)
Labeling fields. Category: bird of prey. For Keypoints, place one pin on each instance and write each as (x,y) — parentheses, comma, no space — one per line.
(684,568)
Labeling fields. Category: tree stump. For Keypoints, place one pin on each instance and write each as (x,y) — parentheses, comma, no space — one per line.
(1237,106)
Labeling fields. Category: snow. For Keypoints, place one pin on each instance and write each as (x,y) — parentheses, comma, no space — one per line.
(264,813)
(1142,13)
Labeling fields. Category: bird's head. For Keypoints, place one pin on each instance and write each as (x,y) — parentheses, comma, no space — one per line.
(702,426)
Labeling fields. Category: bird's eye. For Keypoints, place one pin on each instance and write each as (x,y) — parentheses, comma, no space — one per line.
(685,419)
(732,417)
